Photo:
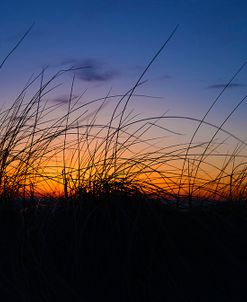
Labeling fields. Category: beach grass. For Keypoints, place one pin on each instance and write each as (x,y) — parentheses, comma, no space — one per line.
(94,206)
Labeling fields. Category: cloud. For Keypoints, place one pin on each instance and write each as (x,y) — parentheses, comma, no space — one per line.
(91,70)
(63,99)
(223,85)
(165,77)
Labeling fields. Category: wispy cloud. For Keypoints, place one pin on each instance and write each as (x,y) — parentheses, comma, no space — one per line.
(223,85)
(91,70)
(62,99)
(165,77)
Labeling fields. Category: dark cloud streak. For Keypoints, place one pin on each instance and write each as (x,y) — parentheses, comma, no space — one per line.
(63,99)
(223,85)
(91,70)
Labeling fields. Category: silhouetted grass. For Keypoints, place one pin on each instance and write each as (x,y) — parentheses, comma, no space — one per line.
(95,206)
(79,151)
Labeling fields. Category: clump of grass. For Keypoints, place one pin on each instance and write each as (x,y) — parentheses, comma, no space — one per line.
(76,155)
(103,161)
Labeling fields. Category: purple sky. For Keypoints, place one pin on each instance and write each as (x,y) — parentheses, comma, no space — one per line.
(117,39)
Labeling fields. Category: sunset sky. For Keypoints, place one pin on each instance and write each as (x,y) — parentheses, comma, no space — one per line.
(117,39)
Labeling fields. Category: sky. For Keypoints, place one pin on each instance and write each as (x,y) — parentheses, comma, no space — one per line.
(117,39)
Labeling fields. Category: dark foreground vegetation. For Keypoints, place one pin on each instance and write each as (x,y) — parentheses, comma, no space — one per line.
(123,249)
(84,190)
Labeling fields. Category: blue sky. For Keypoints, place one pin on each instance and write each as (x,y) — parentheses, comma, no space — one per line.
(117,39)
